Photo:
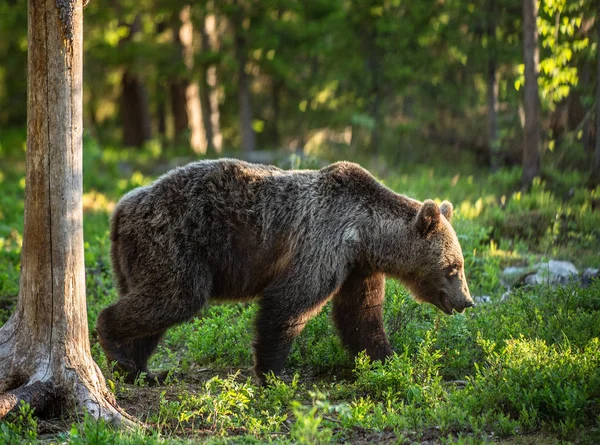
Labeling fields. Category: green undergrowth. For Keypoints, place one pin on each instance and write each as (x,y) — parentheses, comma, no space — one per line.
(525,365)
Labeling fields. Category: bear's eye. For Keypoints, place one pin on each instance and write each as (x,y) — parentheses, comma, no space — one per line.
(453,269)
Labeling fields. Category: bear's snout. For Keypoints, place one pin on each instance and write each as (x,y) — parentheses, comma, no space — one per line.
(460,302)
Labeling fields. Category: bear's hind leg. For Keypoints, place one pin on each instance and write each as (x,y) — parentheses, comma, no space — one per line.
(141,350)
(116,348)
(130,329)
(358,315)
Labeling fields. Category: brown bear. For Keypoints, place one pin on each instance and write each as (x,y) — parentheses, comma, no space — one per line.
(230,230)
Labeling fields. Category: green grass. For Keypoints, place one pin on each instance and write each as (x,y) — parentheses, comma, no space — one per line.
(523,369)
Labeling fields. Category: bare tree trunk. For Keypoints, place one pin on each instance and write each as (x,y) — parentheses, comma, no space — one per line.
(205,92)
(244,102)
(531,148)
(161,113)
(161,99)
(376,89)
(377,130)
(210,36)
(204,95)
(185,94)
(198,140)
(135,111)
(134,103)
(215,114)
(45,356)
(492,87)
(178,107)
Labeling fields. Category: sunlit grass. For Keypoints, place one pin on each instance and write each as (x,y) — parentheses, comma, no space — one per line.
(525,364)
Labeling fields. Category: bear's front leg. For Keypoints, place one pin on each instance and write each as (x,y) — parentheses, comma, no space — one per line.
(358,315)
(275,331)
(281,317)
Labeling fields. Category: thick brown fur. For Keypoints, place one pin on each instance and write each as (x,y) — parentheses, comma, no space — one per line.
(230,230)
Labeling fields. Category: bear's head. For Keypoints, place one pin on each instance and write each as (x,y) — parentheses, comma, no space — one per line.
(437,273)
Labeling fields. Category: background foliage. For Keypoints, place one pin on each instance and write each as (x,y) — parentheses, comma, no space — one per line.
(377,76)
(403,88)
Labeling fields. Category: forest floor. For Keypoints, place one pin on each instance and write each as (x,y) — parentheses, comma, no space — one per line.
(520,368)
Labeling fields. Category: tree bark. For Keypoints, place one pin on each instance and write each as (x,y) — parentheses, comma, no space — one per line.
(492,87)
(245,105)
(161,113)
(244,101)
(185,93)
(210,36)
(161,97)
(45,357)
(531,147)
(374,66)
(208,103)
(178,107)
(134,110)
(134,103)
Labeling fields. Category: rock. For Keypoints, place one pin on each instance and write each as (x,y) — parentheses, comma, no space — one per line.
(553,272)
(535,278)
(589,275)
(562,268)
(514,276)
(482,299)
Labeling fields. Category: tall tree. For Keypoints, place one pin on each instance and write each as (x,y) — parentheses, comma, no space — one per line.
(185,92)
(209,99)
(531,58)
(134,102)
(243,80)
(45,357)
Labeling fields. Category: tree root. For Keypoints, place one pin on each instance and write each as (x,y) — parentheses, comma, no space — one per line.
(43,397)
(38,395)
(49,390)
(101,407)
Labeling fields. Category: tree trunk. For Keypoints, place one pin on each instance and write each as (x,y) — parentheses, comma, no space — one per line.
(211,122)
(161,113)
(45,357)
(376,89)
(134,110)
(198,140)
(185,94)
(492,87)
(134,105)
(210,38)
(244,102)
(161,96)
(204,101)
(531,148)
(375,111)
(178,107)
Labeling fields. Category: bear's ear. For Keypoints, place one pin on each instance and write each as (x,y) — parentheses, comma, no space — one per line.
(446,209)
(428,217)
